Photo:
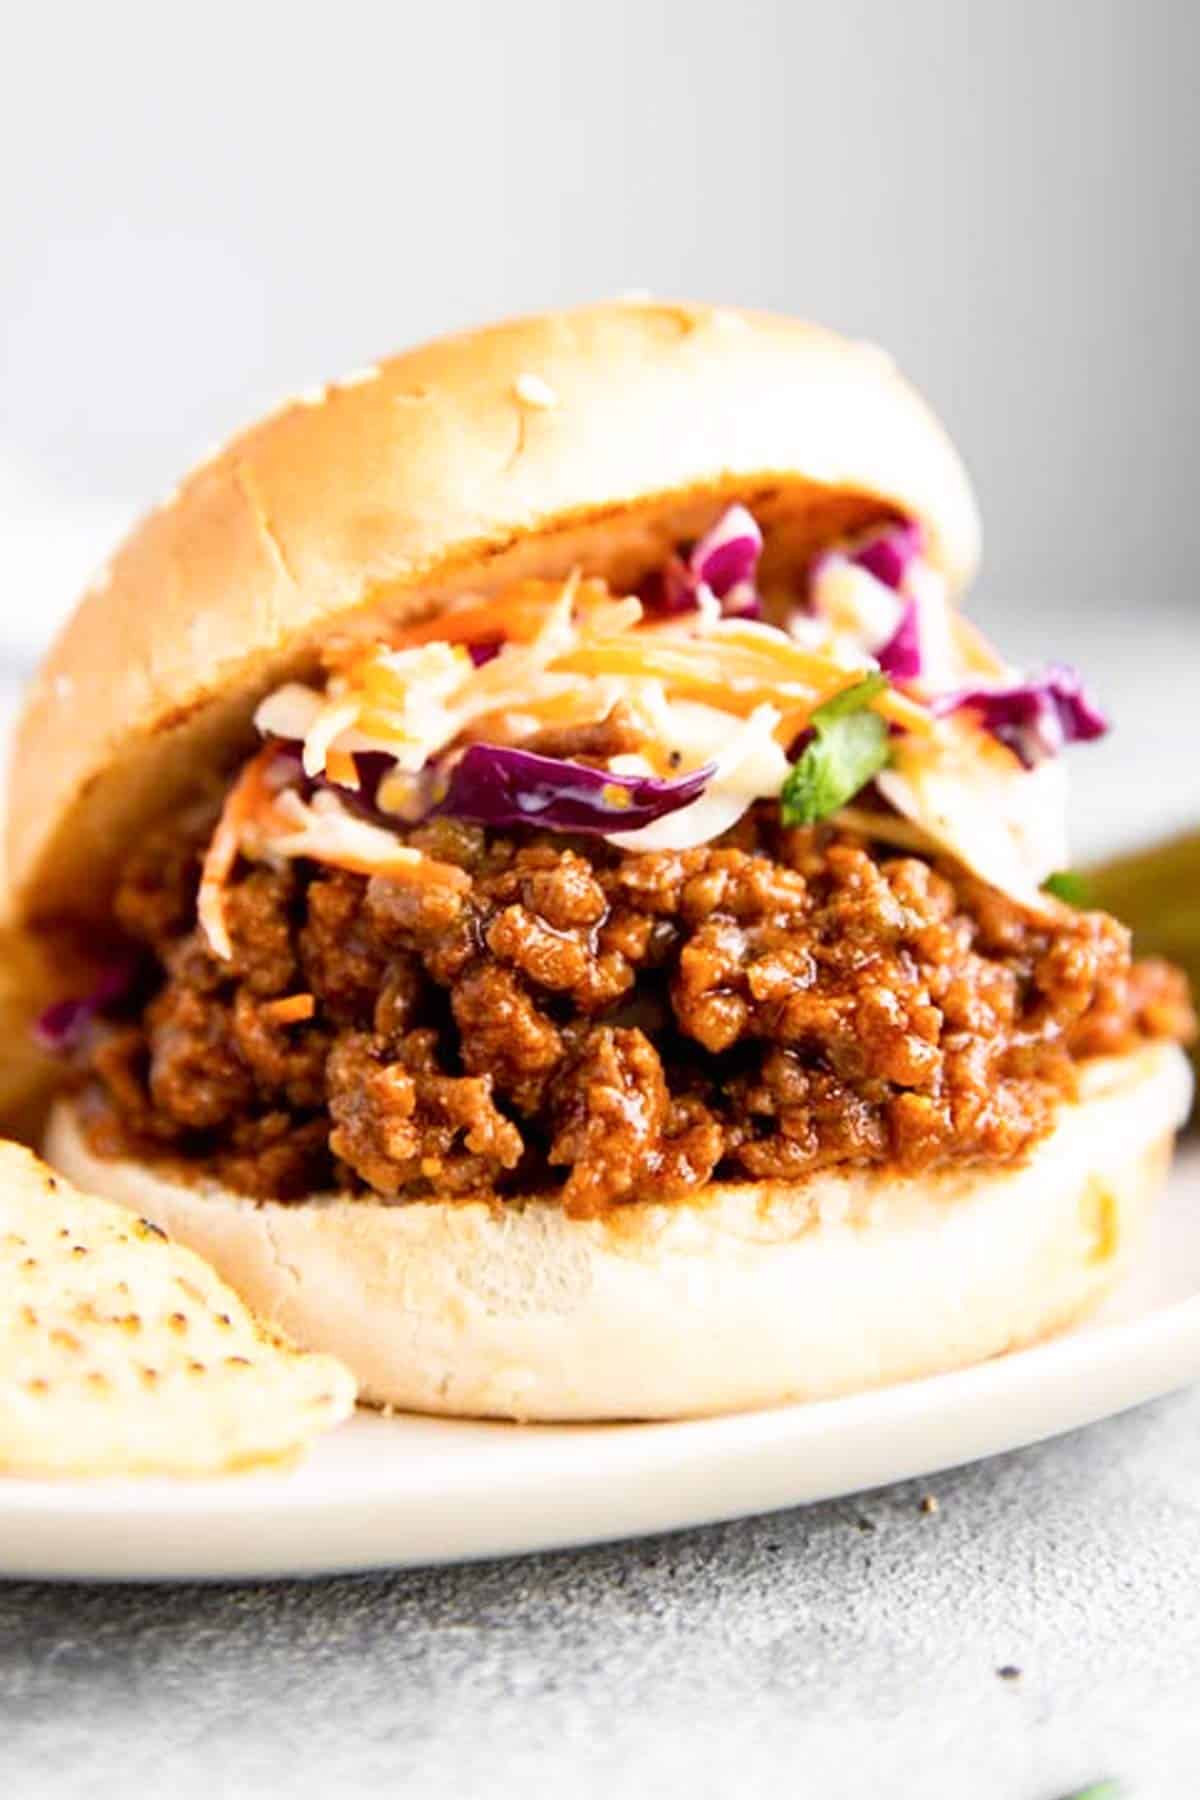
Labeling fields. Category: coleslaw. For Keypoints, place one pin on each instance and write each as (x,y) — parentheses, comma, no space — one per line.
(866,685)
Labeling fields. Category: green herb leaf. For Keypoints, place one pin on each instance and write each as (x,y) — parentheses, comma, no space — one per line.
(1099,1790)
(1068,885)
(850,699)
(849,746)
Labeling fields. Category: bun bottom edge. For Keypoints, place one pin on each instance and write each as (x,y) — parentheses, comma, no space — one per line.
(751,1295)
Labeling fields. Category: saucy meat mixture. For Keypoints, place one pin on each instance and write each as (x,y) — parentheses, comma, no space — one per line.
(606,1025)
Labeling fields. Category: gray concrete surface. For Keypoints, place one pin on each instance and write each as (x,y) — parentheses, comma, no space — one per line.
(850,1651)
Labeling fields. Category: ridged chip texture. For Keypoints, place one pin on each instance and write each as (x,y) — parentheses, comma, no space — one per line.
(122,1353)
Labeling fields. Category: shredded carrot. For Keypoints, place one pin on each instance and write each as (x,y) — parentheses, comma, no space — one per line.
(252,801)
(516,616)
(577,708)
(777,651)
(248,797)
(897,707)
(404,865)
(298,830)
(791,725)
(504,617)
(341,767)
(739,669)
(386,686)
(292,1009)
(337,716)
(380,725)
(669,659)
(829,677)
(736,676)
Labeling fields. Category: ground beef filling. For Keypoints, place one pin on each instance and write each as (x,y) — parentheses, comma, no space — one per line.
(613,1027)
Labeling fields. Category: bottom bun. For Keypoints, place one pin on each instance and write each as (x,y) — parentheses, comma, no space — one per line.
(751,1295)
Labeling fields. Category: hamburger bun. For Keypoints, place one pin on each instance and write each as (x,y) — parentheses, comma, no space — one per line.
(753,1295)
(601,436)
(601,439)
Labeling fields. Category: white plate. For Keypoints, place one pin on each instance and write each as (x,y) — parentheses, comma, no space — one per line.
(386,1491)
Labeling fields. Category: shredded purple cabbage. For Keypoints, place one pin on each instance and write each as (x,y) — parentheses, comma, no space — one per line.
(61,1026)
(901,656)
(363,801)
(497,784)
(889,552)
(724,560)
(887,555)
(484,653)
(1035,718)
(494,784)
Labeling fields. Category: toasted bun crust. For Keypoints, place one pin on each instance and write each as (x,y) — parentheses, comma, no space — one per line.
(598,436)
(752,1296)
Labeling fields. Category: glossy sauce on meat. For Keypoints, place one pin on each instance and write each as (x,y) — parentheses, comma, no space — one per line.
(606,1025)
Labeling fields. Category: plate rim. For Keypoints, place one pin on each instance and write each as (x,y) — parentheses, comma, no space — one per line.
(1013,1400)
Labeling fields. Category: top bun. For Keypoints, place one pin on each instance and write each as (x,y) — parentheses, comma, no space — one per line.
(596,437)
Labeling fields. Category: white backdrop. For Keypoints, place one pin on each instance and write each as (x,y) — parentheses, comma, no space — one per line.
(205,207)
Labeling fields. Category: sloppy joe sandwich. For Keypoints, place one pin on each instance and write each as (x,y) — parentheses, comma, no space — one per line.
(574,903)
